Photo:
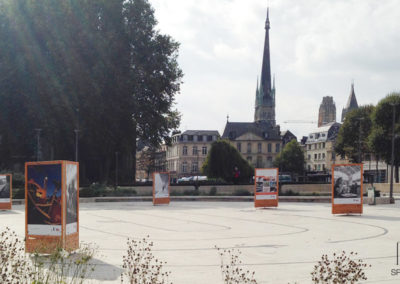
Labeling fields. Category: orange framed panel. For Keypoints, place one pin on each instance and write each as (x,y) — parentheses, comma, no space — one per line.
(71,195)
(160,195)
(347,189)
(5,191)
(45,207)
(266,187)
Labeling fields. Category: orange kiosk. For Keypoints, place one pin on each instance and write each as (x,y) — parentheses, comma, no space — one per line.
(347,189)
(161,185)
(51,206)
(5,191)
(266,187)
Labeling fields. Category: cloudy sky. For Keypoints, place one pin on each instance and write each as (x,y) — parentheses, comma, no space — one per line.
(317,48)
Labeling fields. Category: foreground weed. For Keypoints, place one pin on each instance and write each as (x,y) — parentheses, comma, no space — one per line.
(64,267)
(141,266)
(231,271)
(15,267)
(341,269)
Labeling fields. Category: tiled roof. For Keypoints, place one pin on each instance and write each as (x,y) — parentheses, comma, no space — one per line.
(261,129)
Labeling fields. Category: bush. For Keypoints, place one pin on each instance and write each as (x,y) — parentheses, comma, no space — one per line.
(94,190)
(341,269)
(241,192)
(191,192)
(120,192)
(213,191)
(141,266)
(18,193)
(288,193)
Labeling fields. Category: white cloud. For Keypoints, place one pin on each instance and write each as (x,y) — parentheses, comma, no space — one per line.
(317,48)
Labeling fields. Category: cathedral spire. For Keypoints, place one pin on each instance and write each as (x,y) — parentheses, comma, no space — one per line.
(265,101)
(266,64)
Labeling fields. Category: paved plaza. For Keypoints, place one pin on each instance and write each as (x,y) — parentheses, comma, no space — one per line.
(281,245)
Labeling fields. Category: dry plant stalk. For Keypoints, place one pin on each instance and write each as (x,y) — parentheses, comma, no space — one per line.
(231,271)
(341,269)
(141,266)
(64,267)
(15,267)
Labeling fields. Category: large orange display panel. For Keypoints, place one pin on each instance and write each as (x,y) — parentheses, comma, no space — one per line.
(347,189)
(161,188)
(51,206)
(5,191)
(266,187)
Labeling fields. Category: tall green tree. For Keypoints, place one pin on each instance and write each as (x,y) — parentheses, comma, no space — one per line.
(353,135)
(291,159)
(97,65)
(222,160)
(380,139)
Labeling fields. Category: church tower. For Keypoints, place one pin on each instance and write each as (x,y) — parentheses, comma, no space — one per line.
(265,91)
(327,111)
(351,103)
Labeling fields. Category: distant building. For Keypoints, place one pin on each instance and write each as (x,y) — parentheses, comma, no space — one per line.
(286,137)
(258,142)
(319,148)
(188,151)
(327,111)
(351,103)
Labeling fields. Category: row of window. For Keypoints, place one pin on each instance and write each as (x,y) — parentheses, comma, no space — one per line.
(198,138)
(318,167)
(317,146)
(317,156)
(195,151)
(194,168)
(259,147)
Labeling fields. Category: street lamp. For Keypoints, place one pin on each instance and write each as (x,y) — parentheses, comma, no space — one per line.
(392,154)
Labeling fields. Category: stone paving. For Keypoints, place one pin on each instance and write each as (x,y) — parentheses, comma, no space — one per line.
(281,245)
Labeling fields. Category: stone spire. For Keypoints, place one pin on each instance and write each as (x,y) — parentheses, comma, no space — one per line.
(265,98)
(351,102)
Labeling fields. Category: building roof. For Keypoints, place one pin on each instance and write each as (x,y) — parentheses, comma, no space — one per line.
(200,132)
(262,129)
(329,130)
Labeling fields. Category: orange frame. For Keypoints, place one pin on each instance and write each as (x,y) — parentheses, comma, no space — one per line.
(163,200)
(7,205)
(266,202)
(47,244)
(347,208)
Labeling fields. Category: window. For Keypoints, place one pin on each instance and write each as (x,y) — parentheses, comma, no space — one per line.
(311,137)
(239,147)
(184,151)
(309,147)
(315,146)
(277,147)
(259,148)
(315,156)
(309,168)
(269,147)
(319,156)
(185,137)
(323,167)
(200,138)
(319,167)
(184,167)
(194,150)
(323,155)
(248,147)
(204,150)
(209,138)
(195,167)
(259,161)
(309,157)
(190,137)
(323,145)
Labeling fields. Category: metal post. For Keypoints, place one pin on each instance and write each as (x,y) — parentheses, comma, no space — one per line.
(392,155)
(116,169)
(38,130)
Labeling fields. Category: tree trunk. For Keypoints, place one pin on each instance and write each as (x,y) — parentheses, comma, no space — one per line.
(396,173)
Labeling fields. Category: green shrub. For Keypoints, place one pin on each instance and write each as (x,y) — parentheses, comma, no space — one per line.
(18,193)
(241,192)
(94,190)
(213,191)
